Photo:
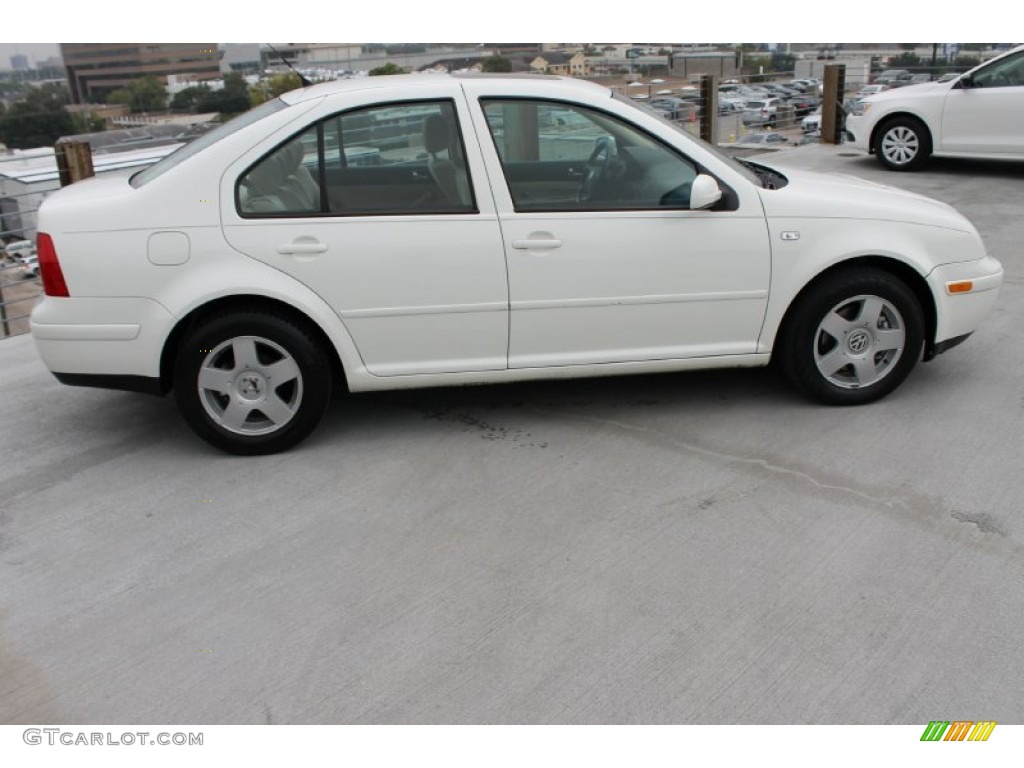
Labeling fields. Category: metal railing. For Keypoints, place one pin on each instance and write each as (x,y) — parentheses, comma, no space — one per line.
(19,291)
(26,179)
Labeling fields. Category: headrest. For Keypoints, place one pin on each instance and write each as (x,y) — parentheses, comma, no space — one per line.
(293,154)
(271,174)
(437,131)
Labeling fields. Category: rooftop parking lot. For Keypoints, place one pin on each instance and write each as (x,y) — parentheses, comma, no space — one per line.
(686,548)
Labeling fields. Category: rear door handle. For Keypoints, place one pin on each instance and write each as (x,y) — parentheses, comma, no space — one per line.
(299,247)
(537,245)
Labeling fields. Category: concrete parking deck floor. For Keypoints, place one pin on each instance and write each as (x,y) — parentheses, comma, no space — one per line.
(699,548)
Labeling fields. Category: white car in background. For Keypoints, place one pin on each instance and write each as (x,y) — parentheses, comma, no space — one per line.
(18,248)
(505,228)
(979,114)
(870,90)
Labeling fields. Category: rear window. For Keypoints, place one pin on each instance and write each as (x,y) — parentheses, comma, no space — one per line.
(193,148)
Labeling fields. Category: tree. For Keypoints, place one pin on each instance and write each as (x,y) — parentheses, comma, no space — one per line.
(38,120)
(274,87)
(783,62)
(187,99)
(147,94)
(232,99)
(387,69)
(86,122)
(905,60)
(496,64)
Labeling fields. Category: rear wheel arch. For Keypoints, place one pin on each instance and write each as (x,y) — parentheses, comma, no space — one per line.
(246,303)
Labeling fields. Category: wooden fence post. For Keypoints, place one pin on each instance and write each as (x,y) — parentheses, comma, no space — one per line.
(74,161)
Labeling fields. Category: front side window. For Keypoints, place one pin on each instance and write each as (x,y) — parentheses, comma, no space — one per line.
(390,159)
(1004,73)
(561,157)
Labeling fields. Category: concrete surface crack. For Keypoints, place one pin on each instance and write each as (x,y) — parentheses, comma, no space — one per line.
(760,463)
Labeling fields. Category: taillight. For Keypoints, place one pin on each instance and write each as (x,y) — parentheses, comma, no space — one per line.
(49,267)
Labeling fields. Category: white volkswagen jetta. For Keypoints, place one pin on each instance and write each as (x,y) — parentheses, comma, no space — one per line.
(979,114)
(415,231)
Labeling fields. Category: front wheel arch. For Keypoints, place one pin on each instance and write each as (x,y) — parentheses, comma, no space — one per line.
(882,124)
(906,273)
(832,350)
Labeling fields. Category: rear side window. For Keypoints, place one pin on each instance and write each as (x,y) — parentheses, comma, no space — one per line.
(207,139)
(389,159)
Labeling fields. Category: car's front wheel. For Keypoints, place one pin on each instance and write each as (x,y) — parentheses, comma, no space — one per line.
(252,382)
(853,337)
(903,144)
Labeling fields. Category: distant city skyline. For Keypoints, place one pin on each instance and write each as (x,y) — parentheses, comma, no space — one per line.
(36,52)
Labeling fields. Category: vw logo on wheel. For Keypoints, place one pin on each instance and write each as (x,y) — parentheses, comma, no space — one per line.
(858,342)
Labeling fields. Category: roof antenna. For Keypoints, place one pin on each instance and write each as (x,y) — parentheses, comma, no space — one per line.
(306,82)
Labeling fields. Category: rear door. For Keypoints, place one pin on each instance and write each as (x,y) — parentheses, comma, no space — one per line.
(381,207)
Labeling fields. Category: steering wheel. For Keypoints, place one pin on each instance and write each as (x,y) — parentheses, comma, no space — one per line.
(597,167)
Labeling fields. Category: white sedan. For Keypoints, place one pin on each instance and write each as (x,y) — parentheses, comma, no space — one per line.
(413,231)
(979,114)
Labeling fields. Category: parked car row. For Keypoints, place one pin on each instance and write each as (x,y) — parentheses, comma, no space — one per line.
(20,259)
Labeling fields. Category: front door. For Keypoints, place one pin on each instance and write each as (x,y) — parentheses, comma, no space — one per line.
(987,118)
(606,262)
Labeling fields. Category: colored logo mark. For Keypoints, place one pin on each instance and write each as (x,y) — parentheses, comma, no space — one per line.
(958,730)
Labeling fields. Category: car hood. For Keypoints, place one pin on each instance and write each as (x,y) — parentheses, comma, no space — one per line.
(820,195)
(917,89)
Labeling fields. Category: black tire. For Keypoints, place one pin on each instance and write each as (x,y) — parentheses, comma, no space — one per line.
(903,144)
(266,382)
(832,325)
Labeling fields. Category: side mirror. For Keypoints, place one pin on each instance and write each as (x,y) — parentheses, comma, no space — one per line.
(704,192)
(965,82)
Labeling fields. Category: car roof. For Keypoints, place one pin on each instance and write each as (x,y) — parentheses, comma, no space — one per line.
(554,82)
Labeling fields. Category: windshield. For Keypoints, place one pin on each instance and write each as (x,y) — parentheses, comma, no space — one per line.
(734,164)
(191,149)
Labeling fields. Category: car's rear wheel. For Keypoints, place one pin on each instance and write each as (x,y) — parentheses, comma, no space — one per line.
(252,382)
(853,337)
(903,144)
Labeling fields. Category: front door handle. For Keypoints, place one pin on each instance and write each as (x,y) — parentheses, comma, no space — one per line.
(302,246)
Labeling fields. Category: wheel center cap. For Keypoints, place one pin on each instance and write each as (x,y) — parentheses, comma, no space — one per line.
(858,341)
(250,385)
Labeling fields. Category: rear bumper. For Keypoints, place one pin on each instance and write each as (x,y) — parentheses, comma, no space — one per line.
(101,338)
(143,384)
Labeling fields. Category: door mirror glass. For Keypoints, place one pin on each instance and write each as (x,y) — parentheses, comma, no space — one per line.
(704,192)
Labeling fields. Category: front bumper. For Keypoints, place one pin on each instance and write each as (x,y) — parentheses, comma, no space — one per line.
(965,294)
(859,129)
